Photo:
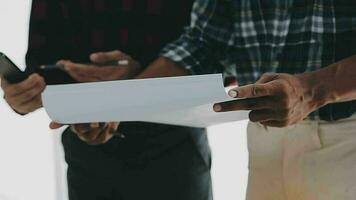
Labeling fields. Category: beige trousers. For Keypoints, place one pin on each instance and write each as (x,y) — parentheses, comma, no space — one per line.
(313,160)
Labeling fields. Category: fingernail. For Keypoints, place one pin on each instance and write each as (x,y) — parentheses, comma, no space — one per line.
(217,108)
(233,93)
(123,62)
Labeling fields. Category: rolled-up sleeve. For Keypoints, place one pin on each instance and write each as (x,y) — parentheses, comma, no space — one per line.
(205,42)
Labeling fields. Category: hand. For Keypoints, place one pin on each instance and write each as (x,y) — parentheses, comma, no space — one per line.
(92,133)
(276,100)
(95,73)
(24,97)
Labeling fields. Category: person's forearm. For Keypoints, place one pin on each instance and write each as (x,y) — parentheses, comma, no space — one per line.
(336,83)
(162,67)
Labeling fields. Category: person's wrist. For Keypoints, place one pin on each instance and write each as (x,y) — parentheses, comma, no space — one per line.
(316,88)
(162,67)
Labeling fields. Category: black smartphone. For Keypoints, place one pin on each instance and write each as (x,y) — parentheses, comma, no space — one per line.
(53,74)
(10,71)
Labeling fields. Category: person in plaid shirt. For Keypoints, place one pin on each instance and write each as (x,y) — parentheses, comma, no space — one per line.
(144,161)
(295,62)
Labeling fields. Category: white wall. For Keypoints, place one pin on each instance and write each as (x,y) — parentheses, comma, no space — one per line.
(26,154)
(31,165)
(230,160)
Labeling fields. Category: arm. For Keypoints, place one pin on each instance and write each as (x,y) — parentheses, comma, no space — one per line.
(333,84)
(163,67)
(281,100)
(204,43)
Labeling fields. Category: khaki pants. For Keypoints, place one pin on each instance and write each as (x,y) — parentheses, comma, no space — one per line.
(313,160)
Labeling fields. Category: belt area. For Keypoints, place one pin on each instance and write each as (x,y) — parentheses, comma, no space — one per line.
(337,111)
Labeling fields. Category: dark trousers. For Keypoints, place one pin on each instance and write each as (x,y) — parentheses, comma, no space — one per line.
(170,167)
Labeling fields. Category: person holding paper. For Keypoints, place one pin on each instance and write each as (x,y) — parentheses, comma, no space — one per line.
(110,160)
(296,64)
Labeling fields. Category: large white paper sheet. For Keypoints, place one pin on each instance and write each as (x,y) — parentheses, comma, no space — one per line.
(185,101)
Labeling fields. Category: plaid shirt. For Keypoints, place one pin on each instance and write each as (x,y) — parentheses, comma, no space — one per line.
(72,29)
(246,38)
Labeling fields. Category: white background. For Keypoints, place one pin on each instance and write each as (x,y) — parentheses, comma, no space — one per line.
(31,159)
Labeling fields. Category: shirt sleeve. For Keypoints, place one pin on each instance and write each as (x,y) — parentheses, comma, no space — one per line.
(204,43)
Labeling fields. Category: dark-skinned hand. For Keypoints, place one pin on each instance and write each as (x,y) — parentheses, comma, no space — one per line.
(24,97)
(92,133)
(94,72)
(276,100)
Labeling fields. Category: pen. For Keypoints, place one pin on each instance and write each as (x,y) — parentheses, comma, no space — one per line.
(116,62)
(112,63)
(52,67)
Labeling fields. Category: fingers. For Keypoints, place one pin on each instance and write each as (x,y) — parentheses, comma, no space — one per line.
(30,106)
(14,89)
(251,91)
(82,128)
(103,57)
(80,77)
(30,96)
(25,97)
(276,100)
(103,137)
(95,133)
(259,89)
(246,104)
(94,125)
(91,135)
(81,72)
(89,132)
(96,73)
(55,125)
(108,133)
(92,73)
(70,66)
